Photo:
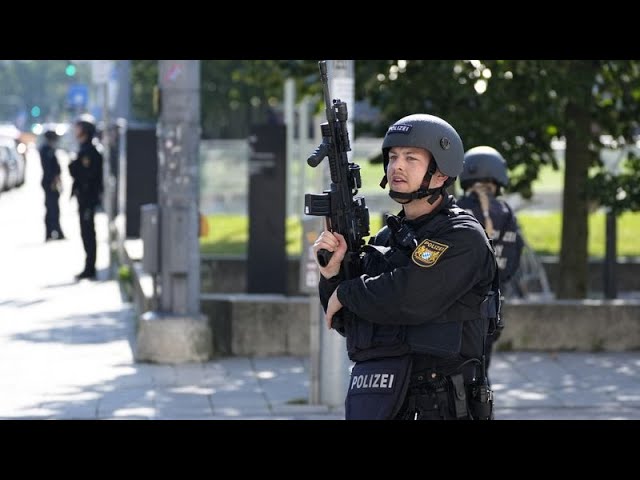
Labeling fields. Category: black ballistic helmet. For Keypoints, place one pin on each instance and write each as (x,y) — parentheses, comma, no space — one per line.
(431,133)
(88,125)
(484,164)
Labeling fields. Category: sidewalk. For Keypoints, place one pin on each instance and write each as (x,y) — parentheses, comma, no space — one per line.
(66,349)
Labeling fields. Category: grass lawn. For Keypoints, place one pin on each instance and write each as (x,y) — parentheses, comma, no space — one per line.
(543,232)
(228,234)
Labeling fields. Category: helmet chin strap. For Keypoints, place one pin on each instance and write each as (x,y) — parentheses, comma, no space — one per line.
(423,191)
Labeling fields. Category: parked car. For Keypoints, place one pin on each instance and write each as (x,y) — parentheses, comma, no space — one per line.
(11,132)
(4,170)
(13,163)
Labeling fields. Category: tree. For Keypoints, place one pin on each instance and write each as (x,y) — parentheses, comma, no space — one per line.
(235,93)
(36,83)
(144,78)
(519,106)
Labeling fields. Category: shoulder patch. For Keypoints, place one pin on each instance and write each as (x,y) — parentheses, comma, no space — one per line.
(86,161)
(428,253)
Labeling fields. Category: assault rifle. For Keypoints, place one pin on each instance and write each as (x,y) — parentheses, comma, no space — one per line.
(345,211)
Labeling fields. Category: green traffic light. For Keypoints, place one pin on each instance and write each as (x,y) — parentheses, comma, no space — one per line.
(70,70)
(35,112)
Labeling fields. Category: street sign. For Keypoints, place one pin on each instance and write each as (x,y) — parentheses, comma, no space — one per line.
(77,95)
(101,71)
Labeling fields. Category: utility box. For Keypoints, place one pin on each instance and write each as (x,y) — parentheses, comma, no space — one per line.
(150,234)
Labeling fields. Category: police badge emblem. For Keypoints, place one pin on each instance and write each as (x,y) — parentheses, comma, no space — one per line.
(428,253)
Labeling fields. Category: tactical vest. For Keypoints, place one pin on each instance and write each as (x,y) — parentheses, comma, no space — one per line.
(507,241)
(443,339)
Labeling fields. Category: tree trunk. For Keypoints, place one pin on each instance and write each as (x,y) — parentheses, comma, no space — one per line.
(575,214)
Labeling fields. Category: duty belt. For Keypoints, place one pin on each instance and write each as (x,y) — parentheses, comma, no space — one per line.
(431,368)
(434,392)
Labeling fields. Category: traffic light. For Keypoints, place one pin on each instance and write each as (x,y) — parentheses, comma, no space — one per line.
(71,69)
(35,111)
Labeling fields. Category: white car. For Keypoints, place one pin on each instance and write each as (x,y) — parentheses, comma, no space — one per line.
(12,163)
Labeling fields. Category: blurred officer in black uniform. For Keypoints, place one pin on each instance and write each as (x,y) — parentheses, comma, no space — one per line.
(86,171)
(425,302)
(483,175)
(51,185)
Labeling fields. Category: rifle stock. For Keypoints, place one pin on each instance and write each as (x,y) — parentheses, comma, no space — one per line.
(345,211)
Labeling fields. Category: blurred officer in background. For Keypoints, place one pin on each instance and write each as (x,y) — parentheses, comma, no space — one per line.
(51,185)
(86,171)
(483,175)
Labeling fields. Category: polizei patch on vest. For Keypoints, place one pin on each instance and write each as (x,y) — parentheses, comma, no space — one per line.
(378,381)
(428,253)
(400,129)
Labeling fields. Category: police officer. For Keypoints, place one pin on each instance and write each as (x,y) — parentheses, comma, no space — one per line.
(423,306)
(51,185)
(483,175)
(86,171)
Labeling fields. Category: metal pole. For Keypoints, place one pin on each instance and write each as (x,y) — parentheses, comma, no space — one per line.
(303,145)
(610,286)
(177,333)
(315,316)
(289,106)
(611,260)
(309,276)
(121,200)
(107,201)
(122,104)
(178,185)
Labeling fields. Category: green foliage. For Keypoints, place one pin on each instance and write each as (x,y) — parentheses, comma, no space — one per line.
(235,93)
(144,77)
(624,187)
(519,107)
(239,93)
(522,109)
(124,274)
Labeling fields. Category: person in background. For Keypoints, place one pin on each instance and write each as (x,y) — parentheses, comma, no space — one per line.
(51,185)
(86,171)
(484,174)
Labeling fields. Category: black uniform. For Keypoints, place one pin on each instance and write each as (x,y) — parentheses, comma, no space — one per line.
(507,242)
(86,171)
(507,239)
(50,171)
(421,317)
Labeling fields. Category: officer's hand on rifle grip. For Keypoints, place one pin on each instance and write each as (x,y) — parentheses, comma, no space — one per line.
(331,247)
(324,256)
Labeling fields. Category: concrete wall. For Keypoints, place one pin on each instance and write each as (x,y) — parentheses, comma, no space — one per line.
(226,274)
(258,324)
(276,325)
(263,325)
(584,325)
